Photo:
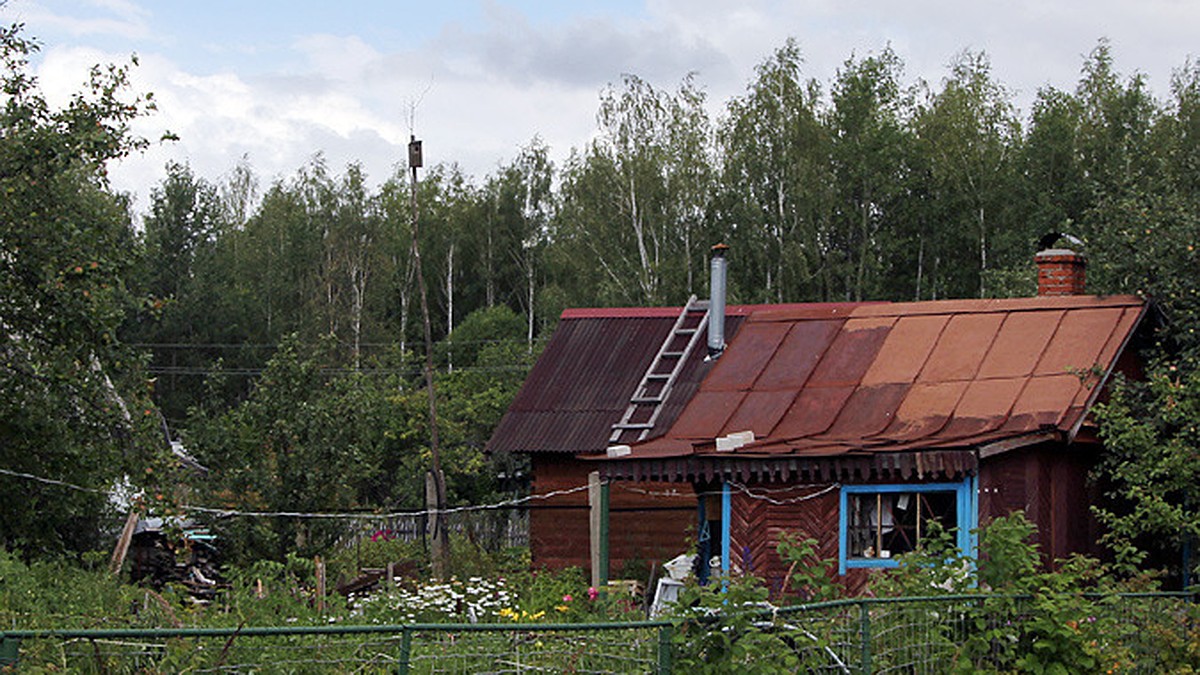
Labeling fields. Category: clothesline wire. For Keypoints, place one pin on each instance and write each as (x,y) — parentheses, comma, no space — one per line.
(758,494)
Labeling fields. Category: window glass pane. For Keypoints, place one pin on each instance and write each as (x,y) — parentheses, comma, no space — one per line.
(886,524)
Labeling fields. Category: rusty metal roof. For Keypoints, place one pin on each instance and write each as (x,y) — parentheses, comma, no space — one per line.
(902,377)
(583,381)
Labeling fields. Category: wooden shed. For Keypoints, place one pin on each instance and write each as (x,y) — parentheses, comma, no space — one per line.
(860,426)
(857,424)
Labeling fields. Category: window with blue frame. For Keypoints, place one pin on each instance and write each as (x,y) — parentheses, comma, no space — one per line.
(879,522)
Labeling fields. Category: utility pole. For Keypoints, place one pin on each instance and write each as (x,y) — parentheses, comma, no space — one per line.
(435,492)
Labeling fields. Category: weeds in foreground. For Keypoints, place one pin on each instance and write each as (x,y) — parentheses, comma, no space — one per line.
(1000,613)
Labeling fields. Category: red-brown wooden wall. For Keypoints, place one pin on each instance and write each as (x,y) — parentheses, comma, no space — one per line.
(1049,482)
(757,525)
(646,523)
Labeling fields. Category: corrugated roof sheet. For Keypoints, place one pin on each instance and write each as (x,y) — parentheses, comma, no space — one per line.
(904,376)
(582,383)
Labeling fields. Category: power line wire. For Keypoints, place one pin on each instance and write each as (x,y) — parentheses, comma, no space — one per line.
(51,481)
(255,372)
(228,513)
(345,515)
(510,503)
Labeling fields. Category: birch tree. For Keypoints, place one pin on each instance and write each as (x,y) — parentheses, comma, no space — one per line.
(870,148)
(633,197)
(776,195)
(967,130)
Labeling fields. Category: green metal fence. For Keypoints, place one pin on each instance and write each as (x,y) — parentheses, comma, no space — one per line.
(417,648)
(1133,632)
(1146,633)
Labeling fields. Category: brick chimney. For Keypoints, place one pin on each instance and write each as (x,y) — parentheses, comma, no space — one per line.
(1061,271)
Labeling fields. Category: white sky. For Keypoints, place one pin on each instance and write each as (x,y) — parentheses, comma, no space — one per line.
(279,80)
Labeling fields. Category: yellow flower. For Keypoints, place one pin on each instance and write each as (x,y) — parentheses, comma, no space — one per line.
(561,608)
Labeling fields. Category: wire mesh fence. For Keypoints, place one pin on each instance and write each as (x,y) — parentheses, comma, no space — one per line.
(418,649)
(1139,633)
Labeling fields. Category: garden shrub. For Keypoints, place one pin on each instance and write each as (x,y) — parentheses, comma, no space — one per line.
(810,577)
(62,593)
(718,628)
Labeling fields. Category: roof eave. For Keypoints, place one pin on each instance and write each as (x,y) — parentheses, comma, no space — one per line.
(1015,443)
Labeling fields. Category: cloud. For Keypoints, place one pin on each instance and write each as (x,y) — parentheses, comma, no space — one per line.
(582,52)
(479,86)
(337,57)
(106,18)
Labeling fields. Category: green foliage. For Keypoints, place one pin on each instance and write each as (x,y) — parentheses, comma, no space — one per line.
(1008,556)
(870,148)
(478,340)
(1062,630)
(314,438)
(72,397)
(564,596)
(936,566)
(181,306)
(1151,434)
(345,562)
(719,630)
(1064,627)
(1065,621)
(966,132)
(58,593)
(1004,612)
(267,593)
(775,198)
(812,577)
(307,442)
(633,201)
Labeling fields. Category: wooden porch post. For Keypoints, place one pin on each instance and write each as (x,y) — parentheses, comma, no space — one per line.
(598,521)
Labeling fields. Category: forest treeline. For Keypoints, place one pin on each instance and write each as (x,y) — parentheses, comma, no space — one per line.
(275,329)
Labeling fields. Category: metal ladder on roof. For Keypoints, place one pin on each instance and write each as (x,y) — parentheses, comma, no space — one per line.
(646,403)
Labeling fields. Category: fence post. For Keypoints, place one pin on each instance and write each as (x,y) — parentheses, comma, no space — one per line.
(319,566)
(864,627)
(10,651)
(405,651)
(664,650)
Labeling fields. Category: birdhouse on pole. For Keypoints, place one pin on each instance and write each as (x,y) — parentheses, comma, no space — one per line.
(414,153)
